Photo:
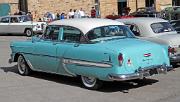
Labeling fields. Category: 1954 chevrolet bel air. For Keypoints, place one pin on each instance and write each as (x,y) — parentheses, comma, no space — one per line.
(95,49)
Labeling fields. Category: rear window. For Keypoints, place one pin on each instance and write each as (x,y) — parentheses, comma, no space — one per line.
(25,18)
(162,27)
(175,24)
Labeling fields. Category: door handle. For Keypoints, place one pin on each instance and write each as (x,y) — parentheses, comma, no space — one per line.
(76,45)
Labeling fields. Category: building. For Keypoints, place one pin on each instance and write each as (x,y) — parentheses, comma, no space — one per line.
(104,7)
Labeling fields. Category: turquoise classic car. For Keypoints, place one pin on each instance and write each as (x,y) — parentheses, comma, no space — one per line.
(95,50)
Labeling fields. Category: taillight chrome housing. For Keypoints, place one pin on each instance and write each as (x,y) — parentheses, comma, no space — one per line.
(120,59)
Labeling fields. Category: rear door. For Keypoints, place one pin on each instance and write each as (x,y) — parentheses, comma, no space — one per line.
(69,42)
(80,57)
(13,25)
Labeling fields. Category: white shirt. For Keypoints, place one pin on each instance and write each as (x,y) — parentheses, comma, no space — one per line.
(76,15)
(71,13)
(81,13)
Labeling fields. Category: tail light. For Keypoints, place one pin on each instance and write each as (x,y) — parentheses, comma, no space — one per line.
(120,59)
(171,50)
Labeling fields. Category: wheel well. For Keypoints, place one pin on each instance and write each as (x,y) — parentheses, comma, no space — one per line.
(16,57)
(27,29)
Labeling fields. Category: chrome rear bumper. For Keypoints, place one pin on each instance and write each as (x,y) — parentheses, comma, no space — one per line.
(141,73)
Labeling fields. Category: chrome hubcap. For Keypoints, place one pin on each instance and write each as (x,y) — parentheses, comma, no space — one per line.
(88,81)
(28,32)
(21,65)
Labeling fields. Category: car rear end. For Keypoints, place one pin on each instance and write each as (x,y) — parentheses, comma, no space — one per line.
(137,62)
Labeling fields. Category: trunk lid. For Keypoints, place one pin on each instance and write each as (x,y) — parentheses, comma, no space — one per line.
(138,53)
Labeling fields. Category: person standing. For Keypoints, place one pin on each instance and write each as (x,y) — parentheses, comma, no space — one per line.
(81,13)
(57,16)
(93,13)
(30,15)
(62,16)
(71,14)
(76,14)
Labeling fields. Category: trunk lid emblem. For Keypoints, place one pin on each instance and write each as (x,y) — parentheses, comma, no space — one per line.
(147,55)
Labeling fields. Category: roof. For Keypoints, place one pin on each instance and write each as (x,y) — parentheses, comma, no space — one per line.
(86,24)
(142,20)
(143,24)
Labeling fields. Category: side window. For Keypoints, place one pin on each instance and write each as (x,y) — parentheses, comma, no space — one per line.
(97,32)
(5,20)
(71,34)
(134,29)
(52,33)
(14,20)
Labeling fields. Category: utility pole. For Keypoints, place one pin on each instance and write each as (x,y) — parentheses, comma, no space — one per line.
(136,5)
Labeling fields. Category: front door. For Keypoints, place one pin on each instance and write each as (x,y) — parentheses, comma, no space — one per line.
(45,51)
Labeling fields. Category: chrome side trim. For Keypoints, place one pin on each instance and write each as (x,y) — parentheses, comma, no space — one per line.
(32,68)
(69,72)
(86,63)
(42,55)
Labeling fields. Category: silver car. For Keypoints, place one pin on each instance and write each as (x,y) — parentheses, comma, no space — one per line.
(20,24)
(156,30)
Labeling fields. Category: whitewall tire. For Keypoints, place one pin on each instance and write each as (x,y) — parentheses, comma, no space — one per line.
(91,82)
(28,32)
(23,68)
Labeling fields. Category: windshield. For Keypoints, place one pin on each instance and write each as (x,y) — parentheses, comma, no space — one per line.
(25,18)
(109,32)
(162,27)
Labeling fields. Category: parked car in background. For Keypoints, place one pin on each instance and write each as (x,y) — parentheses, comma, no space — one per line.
(156,30)
(145,12)
(94,49)
(114,17)
(176,25)
(20,24)
(171,13)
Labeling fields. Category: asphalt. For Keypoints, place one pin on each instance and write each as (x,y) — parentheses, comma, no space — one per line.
(43,87)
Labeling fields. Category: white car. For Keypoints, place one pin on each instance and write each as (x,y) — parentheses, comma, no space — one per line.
(20,24)
(156,30)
